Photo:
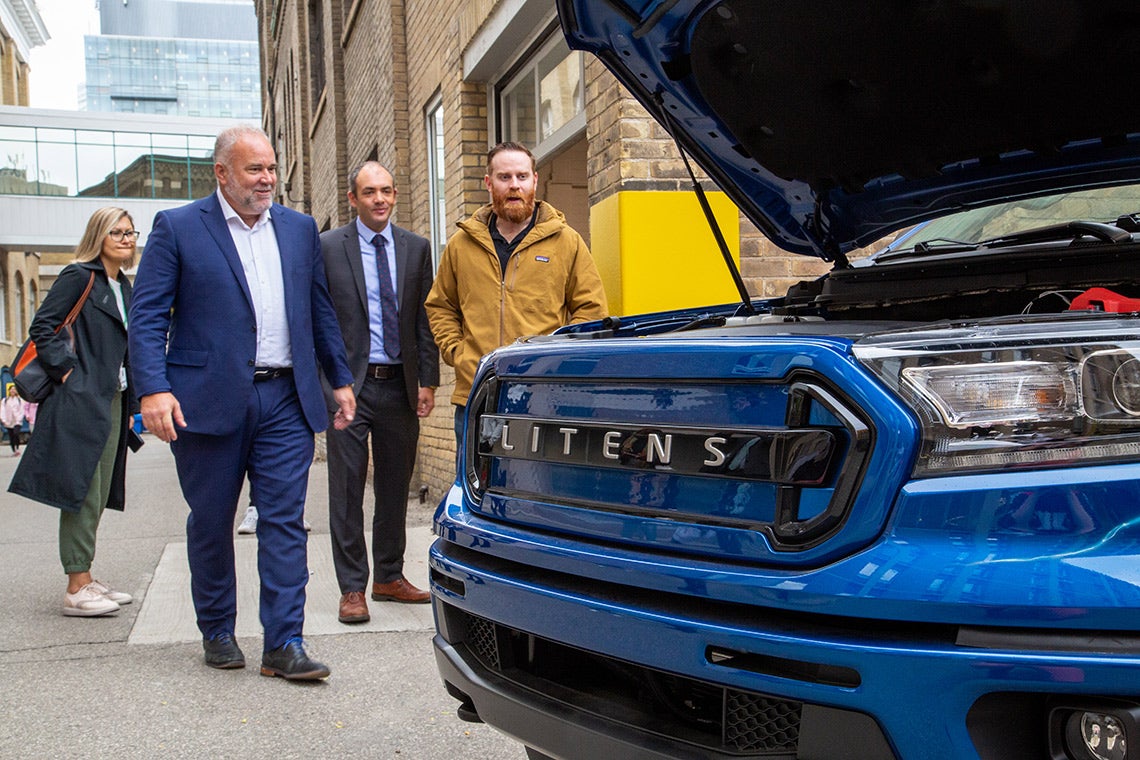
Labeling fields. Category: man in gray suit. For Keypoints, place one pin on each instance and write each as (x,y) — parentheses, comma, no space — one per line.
(378,276)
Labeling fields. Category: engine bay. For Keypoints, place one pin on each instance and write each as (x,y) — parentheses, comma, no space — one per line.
(977,285)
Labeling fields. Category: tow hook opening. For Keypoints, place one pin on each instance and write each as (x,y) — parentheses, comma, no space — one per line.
(466,711)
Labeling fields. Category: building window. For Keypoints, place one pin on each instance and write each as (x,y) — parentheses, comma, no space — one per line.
(57,160)
(317,48)
(21,326)
(542,105)
(436,194)
(4,306)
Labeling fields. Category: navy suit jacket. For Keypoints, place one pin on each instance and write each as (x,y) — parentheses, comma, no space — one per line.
(345,272)
(192,326)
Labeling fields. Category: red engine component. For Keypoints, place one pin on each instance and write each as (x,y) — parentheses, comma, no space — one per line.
(1103,299)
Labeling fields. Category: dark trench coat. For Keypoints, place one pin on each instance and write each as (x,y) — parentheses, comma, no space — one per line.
(74,422)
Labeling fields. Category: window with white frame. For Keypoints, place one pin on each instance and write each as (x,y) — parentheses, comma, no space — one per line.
(18,297)
(543,104)
(21,313)
(436,194)
(4,307)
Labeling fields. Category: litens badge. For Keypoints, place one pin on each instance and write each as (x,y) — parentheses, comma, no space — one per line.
(543,259)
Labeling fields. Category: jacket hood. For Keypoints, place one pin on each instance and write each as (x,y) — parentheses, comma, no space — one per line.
(832,124)
(548,221)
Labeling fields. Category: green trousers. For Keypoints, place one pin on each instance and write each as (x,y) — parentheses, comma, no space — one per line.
(77,529)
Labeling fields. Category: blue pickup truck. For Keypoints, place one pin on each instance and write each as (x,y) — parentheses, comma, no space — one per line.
(891,515)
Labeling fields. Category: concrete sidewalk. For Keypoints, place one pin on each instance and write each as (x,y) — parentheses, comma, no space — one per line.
(133,685)
(167,614)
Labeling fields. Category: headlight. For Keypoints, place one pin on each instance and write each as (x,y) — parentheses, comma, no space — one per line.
(992,398)
(972,395)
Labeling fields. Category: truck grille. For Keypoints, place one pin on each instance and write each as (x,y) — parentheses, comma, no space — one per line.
(700,467)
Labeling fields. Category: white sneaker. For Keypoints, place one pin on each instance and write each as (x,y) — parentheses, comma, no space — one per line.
(249,522)
(88,602)
(118,597)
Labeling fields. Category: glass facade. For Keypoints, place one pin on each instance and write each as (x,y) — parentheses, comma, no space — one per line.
(105,163)
(174,77)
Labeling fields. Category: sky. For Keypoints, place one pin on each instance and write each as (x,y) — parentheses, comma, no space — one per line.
(57,66)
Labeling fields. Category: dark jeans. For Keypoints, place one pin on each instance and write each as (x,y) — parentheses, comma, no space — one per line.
(13,437)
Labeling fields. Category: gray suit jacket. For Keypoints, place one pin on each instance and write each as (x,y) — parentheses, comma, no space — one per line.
(345,273)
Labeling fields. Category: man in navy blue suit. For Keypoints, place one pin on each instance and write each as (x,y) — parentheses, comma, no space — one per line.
(230,316)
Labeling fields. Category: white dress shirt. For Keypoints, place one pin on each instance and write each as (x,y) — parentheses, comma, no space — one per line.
(261,262)
(117,291)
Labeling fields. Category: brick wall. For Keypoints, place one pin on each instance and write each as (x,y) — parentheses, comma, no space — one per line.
(326,125)
(13,73)
(441,29)
(286,113)
(375,110)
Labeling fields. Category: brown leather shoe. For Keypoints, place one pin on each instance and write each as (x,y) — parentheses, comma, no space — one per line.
(399,591)
(353,608)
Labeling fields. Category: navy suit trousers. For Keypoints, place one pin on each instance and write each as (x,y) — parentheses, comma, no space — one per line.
(274,449)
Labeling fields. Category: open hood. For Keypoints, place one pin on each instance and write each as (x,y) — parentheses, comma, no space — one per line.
(833,123)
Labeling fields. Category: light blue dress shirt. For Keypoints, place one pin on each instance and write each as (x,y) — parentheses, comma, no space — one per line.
(376,354)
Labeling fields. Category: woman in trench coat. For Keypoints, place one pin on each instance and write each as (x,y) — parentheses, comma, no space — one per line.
(75,459)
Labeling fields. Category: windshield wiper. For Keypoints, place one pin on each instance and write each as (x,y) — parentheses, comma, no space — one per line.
(1105,233)
(933,245)
(942,243)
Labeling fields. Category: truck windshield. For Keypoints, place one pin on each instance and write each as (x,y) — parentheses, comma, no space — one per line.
(1106,205)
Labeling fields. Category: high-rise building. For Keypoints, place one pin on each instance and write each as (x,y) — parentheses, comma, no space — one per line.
(175,57)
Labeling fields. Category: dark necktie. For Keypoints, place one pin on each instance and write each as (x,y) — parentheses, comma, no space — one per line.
(389,314)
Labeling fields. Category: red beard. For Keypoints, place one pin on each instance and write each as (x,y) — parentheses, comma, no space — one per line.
(515,213)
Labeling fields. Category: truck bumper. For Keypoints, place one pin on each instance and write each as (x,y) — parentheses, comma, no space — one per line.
(870,691)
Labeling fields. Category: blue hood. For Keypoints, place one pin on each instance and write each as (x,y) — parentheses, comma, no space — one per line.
(833,123)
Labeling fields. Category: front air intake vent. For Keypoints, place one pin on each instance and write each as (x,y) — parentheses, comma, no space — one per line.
(480,639)
(755,723)
(718,718)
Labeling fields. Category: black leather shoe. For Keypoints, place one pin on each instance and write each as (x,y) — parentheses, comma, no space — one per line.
(223,652)
(291,662)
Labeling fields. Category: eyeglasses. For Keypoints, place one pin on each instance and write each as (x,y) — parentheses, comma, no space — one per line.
(118,235)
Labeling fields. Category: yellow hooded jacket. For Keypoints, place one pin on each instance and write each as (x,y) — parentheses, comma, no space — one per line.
(474,308)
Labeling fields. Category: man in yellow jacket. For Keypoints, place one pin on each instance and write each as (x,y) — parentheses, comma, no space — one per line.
(514,268)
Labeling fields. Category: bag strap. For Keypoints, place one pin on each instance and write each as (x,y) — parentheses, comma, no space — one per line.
(74,313)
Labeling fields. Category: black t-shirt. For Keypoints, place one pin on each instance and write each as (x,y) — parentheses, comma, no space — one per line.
(503,247)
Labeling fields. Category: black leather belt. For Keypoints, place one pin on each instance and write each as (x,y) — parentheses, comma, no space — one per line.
(271,373)
(385,371)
